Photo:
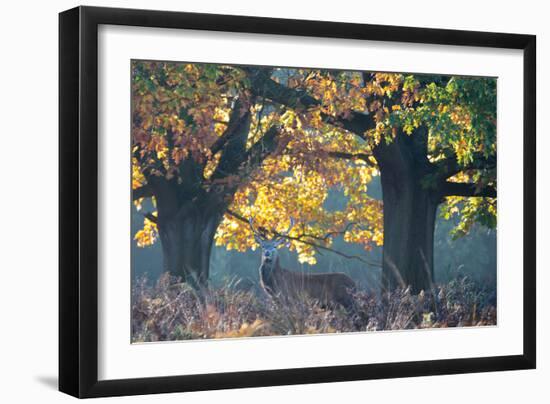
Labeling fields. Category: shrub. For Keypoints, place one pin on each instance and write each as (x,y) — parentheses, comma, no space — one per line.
(171,310)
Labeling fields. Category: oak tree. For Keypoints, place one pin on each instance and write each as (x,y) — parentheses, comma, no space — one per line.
(216,145)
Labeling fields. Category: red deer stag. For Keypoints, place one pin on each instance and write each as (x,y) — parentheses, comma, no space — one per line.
(327,288)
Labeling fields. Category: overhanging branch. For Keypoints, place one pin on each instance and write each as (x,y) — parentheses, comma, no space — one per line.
(263,147)
(467,190)
(352,156)
(264,86)
(151,217)
(144,191)
(300,239)
(233,146)
(450,166)
(232,128)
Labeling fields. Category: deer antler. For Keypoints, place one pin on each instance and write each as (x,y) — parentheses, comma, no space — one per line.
(261,236)
(281,236)
(251,222)
(285,233)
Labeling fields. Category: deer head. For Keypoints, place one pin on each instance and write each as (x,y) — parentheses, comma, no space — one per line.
(269,245)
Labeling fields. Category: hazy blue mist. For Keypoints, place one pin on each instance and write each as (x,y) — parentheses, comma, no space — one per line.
(473,255)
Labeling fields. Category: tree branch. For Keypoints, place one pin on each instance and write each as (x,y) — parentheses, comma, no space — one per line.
(244,163)
(235,120)
(264,86)
(329,234)
(263,147)
(151,217)
(232,143)
(352,156)
(467,190)
(450,166)
(144,191)
(310,243)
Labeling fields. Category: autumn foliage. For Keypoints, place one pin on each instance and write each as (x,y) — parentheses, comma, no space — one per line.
(308,134)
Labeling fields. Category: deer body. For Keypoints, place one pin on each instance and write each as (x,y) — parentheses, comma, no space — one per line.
(327,288)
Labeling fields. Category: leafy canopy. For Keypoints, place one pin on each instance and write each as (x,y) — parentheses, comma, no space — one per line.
(181,113)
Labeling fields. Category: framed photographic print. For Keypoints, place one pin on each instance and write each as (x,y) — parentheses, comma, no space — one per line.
(250,201)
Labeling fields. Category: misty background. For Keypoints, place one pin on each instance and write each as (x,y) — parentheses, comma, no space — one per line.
(473,255)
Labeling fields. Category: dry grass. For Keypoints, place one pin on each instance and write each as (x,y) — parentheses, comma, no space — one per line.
(171,310)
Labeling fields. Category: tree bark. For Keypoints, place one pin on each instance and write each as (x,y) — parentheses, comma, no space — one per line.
(409,217)
(409,214)
(187,242)
(187,219)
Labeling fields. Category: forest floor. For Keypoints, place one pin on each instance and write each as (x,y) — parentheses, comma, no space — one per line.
(170,310)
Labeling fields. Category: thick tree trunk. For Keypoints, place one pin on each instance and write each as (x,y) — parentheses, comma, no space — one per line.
(409,215)
(187,243)
(187,221)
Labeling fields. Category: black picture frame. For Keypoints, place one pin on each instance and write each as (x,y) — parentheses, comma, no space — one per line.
(78,195)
